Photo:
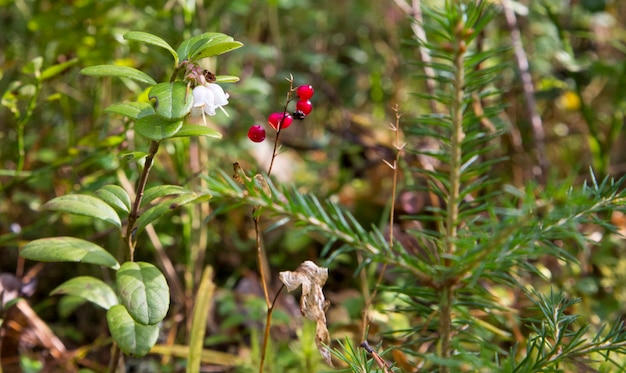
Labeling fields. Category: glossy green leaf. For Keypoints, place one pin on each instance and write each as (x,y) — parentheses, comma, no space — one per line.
(226,79)
(81,204)
(132,110)
(115,196)
(132,338)
(189,130)
(118,71)
(143,291)
(68,249)
(172,100)
(163,208)
(151,39)
(154,127)
(89,288)
(215,49)
(161,191)
(55,70)
(187,47)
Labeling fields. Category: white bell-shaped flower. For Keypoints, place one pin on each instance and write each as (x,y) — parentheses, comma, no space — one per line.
(207,98)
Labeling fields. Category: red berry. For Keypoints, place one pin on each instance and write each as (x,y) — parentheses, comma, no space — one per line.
(275,119)
(304,106)
(256,133)
(305,92)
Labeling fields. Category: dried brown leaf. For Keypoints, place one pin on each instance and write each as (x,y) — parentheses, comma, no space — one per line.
(313,305)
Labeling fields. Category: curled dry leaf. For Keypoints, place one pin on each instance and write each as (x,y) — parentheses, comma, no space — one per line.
(313,305)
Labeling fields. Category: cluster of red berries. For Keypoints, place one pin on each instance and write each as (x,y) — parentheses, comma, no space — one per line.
(282,120)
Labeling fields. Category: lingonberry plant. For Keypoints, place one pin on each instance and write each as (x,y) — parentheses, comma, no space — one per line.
(140,299)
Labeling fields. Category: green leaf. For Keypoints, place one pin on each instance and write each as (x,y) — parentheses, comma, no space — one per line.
(118,71)
(133,339)
(206,45)
(215,49)
(68,304)
(89,288)
(189,130)
(80,204)
(143,291)
(162,208)
(156,128)
(132,156)
(55,70)
(68,249)
(132,110)
(115,196)
(187,46)
(151,39)
(172,100)
(226,79)
(160,191)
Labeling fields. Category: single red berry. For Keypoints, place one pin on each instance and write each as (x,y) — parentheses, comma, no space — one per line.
(304,106)
(305,92)
(256,133)
(275,119)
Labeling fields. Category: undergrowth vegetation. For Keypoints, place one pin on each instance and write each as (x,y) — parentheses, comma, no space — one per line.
(266,188)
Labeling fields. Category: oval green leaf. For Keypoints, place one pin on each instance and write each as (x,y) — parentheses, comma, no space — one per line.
(132,110)
(68,249)
(189,130)
(115,196)
(188,46)
(89,288)
(163,208)
(156,128)
(133,339)
(55,70)
(143,291)
(118,71)
(161,191)
(151,39)
(172,100)
(80,204)
(215,49)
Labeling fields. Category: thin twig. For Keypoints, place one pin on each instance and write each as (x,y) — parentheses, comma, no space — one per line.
(266,333)
(280,125)
(261,256)
(370,297)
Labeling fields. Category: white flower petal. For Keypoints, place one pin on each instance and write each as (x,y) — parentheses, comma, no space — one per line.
(202,96)
(221,97)
(209,109)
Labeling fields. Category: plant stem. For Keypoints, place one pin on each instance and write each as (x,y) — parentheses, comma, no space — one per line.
(261,255)
(134,212)
(280,127)
(266,333)
(457,136)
